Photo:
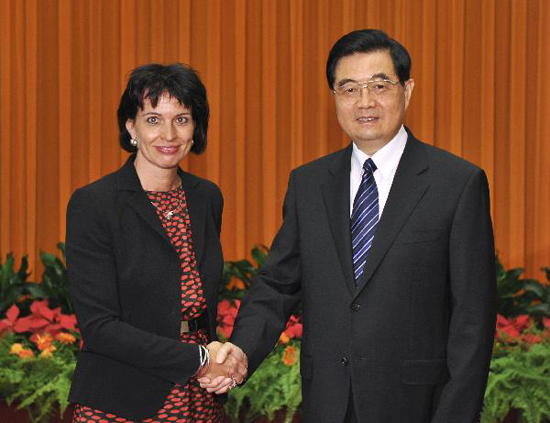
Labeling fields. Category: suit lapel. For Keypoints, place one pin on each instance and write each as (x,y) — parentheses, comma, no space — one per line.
(406,191)
(196,204)
(336,198)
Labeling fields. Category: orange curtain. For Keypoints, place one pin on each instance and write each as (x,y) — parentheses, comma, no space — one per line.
(481,92)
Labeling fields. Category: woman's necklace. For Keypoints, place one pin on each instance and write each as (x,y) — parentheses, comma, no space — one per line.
(168,214)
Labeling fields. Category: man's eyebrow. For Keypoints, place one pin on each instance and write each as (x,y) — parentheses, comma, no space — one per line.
(345,81)
(380,75)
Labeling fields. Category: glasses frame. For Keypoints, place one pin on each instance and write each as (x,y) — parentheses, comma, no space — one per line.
(363,85)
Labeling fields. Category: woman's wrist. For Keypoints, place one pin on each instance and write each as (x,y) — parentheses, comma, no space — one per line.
(204,358)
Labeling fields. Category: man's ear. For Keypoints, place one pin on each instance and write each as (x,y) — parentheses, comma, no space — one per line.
(409,86)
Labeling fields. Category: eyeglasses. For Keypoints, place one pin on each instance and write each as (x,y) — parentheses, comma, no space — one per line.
(351,91)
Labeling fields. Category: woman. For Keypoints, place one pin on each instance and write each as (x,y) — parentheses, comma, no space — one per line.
(145,263)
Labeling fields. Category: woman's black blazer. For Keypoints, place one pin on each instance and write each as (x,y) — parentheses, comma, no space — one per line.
(124,277)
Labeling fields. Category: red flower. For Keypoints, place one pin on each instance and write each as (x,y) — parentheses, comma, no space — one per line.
(512,328)
(532,339)
(227,312)
(8,324)
(546,322)
(294,328)
(41,319)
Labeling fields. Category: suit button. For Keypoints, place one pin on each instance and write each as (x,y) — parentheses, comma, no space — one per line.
(345,361)
(355,306)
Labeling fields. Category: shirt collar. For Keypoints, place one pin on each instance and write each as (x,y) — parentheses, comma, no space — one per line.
(385,159)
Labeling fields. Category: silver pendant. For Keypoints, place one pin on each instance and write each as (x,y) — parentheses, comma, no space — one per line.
(169,214)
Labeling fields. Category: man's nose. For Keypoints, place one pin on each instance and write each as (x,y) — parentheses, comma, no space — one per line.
(366,98)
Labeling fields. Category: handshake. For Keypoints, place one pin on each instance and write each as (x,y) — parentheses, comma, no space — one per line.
(226,368)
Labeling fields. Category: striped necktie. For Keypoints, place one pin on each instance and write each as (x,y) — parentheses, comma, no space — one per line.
(364,218)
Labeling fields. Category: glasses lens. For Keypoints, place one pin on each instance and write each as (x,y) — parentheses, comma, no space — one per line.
(351,89)
(379,86)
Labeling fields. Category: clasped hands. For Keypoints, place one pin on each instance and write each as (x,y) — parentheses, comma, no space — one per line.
(227,368)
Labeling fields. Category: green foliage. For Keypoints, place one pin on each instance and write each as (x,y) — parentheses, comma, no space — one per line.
(272,387)
(55,284)
(519,379)
(517,296)
(13,283)
(243,270)
(16,288)
(37,384)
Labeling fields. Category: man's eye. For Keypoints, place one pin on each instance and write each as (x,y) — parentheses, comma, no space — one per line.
(350,90)
(379,87)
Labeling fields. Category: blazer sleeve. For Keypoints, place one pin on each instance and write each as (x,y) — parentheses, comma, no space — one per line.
(93,286)
(473,305)
(275,292)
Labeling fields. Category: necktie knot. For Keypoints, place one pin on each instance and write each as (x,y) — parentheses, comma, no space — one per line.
(369,166)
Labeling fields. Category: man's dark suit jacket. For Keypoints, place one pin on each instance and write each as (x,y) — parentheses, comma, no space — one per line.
(124,277)
(414,339)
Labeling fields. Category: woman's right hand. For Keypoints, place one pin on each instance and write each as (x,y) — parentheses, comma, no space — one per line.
(223,374)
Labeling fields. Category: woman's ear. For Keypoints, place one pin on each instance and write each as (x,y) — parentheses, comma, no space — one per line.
(130,128)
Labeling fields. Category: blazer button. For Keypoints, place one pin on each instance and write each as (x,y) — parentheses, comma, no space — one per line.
(355,306)
(345,361)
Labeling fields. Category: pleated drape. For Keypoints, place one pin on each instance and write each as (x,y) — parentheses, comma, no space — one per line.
(481,92)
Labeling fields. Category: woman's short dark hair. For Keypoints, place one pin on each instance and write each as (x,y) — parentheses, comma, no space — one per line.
(366,41)
(152,81)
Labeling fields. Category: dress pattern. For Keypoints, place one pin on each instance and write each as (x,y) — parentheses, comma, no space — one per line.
(189,403)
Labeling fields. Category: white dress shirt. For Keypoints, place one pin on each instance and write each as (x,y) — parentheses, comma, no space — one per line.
(386,160)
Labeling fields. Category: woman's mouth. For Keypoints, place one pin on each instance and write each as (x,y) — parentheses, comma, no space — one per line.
(168,150)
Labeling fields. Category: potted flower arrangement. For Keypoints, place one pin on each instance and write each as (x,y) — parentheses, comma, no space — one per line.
(39,341)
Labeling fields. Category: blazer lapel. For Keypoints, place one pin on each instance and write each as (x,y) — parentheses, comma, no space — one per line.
(128,180)
(406,191)
(336,197)
(197,206)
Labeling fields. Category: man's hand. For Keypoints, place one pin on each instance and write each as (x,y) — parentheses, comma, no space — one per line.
(228,367)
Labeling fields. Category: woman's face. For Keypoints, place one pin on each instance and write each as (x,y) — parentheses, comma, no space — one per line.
(164,133)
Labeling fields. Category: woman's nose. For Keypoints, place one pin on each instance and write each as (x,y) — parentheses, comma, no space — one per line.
(168,131)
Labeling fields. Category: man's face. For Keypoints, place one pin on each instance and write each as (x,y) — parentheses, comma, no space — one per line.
(370,120)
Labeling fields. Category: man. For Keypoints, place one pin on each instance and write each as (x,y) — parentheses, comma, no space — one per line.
(388,245)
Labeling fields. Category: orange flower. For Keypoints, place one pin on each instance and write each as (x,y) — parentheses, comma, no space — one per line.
(48,352)
(26,354)
(20,351)
(235,283)
(283,339)
(289,356)
(65,338)
(42,340)
(16,348)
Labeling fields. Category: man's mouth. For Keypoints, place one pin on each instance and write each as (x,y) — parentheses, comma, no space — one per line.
(367,119)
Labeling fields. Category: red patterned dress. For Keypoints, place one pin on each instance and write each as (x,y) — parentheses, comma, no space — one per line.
(189,403)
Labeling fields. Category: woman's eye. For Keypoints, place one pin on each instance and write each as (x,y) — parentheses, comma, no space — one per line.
(152,120)
(181,120)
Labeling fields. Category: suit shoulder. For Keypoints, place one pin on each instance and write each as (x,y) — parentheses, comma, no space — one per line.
(320,164)
(448,162)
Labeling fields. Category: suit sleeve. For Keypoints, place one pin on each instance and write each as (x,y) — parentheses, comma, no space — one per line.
(275,292)
(94,292)
(473,305)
